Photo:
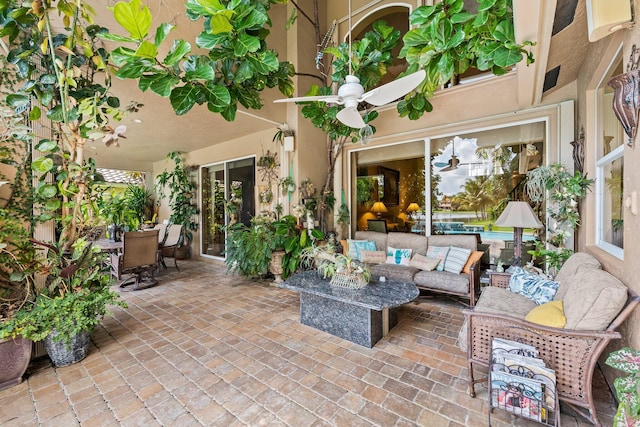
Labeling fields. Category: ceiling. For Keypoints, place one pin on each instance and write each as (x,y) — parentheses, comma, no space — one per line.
(160,131)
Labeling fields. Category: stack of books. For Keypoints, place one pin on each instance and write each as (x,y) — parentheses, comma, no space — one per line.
(520,381)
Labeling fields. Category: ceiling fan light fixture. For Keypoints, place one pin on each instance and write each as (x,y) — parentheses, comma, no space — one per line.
(365,135)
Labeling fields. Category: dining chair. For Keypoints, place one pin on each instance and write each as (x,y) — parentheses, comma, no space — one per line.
(171,244)
(138,258)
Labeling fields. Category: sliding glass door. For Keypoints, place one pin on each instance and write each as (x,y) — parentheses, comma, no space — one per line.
(227,197)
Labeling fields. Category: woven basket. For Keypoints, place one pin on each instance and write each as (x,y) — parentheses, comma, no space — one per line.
(348,280)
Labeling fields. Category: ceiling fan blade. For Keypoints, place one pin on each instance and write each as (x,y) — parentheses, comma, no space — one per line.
(449,168)
(330,99)
(440,164)
(393,90)
(351,117)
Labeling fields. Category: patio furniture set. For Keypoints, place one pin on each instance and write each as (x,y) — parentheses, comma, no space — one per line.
(592,302)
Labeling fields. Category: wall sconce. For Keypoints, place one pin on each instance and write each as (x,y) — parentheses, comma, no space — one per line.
(626,99)
(289,143)
(379,208)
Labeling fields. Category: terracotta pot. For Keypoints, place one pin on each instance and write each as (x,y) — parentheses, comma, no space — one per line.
(62,354)
(14,360)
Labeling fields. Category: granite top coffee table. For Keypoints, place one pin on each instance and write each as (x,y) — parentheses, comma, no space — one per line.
(362,316)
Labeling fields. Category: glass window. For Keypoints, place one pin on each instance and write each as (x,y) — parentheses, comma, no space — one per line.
(609,171)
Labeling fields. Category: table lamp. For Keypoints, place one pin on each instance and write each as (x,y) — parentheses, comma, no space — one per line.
(518,215)
(379,208)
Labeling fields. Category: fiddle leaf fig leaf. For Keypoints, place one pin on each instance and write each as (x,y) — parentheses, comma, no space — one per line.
(179,49)
(147,50)
(163,85)
(162,32)
(183,98)
(134,17)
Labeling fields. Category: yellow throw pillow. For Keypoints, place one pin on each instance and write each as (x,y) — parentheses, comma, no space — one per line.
(548,314)
(475,256)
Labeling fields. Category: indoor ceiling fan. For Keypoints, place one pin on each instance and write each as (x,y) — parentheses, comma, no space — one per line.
(453,162)
(351,93)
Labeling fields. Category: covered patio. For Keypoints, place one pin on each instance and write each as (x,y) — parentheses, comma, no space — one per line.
(207,348)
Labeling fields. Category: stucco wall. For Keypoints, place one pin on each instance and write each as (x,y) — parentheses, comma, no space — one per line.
(598,59)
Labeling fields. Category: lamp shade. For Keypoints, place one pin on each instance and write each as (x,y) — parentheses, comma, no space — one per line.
(413,207)
(379,207)
(518,215)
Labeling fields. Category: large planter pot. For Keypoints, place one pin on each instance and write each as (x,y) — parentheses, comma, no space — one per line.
(63,354)
(14,359)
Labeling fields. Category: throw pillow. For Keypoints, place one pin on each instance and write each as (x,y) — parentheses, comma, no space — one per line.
(537,288)
(439,252)
(456,259)
(398,256)
(352,252)
(473,258)
(424,263)
(366,245)
(373,257)
(548,314)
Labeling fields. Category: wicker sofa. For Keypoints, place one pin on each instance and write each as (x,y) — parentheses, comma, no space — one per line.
(463,285)
(595,303)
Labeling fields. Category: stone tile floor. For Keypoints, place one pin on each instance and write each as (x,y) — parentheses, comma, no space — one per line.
(206,348)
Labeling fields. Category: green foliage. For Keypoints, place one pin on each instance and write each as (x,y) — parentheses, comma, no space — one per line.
(76,296)
(249,249)
(293,239)
(627,388)
(181,191)
(64,68)
(446,41)
(237,67)
(17,264)
(139,203)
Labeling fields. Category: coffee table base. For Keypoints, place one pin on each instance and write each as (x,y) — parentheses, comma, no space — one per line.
(354,323)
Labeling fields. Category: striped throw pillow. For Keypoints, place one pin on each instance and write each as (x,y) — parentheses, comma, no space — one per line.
(456,259)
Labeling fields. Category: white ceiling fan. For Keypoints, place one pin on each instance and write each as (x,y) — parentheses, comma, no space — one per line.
(351,93)
(453,162)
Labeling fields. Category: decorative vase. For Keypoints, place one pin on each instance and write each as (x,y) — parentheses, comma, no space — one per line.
(63,354)
(14,360)
(275,265)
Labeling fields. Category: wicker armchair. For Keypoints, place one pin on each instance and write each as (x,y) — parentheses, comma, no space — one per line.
(574,353)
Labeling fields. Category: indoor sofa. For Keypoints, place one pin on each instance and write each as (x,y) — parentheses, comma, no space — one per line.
(466,285)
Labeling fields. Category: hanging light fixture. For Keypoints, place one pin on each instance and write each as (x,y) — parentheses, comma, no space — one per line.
(365,135)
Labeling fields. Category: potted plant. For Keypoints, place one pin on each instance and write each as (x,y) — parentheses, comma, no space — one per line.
(249,247)
(292,239)
(76,296)
(17,290)
(113,210)
(339,268)
(181,192)
(627,388)
(139,202)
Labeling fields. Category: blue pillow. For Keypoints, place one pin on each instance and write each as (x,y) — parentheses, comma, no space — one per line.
(367,245)
(537,288)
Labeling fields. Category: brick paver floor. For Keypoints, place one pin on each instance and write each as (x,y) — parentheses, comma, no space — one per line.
(206,348)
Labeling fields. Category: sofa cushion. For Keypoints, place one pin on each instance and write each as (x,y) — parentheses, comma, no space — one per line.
(417,243)
(443,280)
(374,236)
(367,245)
(439,252)
(498,301)
(373,257)
(594,300)
(467,241)
(351,248)
(537,288)
(567,275)
(456,259)
(473,258)
(548,314)
(400,273)
(398,256)
(424,262)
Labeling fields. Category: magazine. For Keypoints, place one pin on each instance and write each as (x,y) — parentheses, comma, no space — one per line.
(501,345)
(519,395)
(528,368)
